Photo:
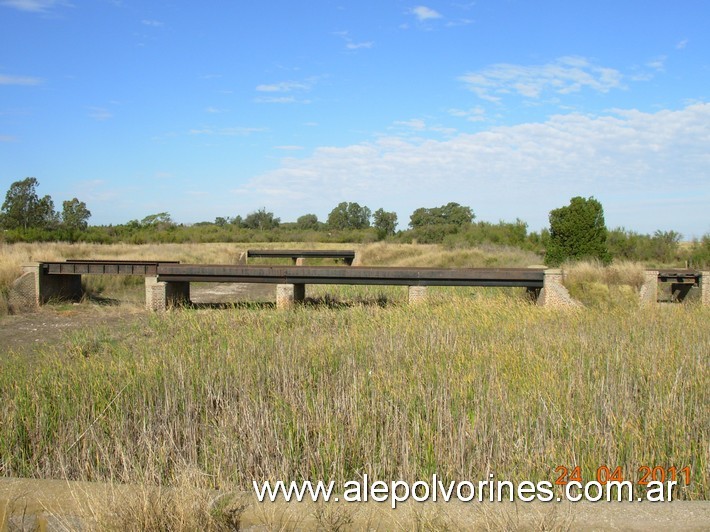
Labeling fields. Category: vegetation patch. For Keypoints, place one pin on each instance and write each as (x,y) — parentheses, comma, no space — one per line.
(462,386)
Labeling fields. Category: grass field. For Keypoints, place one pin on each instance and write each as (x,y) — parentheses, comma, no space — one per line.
(473,382)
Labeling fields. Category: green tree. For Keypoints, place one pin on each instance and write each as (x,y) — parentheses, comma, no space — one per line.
(449,214)
(75,215)
(308,222)
(665,245)
(23,209)
(577,232)
(385,223)
(349,216)
(161,220)
(261,220)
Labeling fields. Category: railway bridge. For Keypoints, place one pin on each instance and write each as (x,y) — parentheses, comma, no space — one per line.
(168,282)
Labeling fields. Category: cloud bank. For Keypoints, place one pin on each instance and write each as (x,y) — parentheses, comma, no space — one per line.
(641,165)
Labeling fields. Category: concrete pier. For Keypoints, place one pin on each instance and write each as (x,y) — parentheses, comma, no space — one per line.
(705,288)
(417,294)
(287,295)
(159,296)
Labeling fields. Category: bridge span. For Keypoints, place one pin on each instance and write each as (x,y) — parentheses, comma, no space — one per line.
(168,282)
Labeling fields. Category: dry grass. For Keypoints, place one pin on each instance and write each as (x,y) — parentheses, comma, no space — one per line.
(436,256)
(594,284)
(461,386)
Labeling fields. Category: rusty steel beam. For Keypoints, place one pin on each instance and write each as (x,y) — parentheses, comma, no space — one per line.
(524,277)
(115,267)
(679,276)
(302,253)
(347,255)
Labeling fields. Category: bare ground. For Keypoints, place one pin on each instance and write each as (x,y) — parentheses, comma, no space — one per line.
(60,505)
(119,312)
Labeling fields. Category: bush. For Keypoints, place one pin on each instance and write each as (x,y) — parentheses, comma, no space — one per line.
(577,232)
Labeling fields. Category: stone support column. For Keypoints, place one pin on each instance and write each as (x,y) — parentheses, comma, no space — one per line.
(23,295)
(417,294)
(160,295)
(705,288)
(649,289)
(287,295)
(554,293)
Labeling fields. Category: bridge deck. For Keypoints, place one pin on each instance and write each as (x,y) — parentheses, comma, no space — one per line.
(681,276)
(525,277)
(104,266)
(348,255)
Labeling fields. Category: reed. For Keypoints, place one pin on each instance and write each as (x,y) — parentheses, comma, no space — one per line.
(462,386)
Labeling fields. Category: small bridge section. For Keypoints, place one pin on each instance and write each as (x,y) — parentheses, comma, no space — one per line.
(298,255)
(100,266)
(681,281)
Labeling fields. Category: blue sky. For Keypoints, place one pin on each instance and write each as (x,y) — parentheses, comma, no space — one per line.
(219,108)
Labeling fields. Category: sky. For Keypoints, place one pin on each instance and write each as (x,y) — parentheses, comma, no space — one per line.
(221,108)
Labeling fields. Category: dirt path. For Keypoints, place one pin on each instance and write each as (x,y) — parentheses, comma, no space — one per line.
(23,333)
(58,505)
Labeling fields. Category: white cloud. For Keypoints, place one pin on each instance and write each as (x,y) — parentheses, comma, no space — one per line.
(415,123)
(238,131)
(7,138)
(657,63)
(682,44)
(359,45)
(352,45)
(100,113)
(35,6)
(475,114)
(425,13)
(276,99)
(153,23)
(627,159)
(19,80)
(284,86)
(563,76)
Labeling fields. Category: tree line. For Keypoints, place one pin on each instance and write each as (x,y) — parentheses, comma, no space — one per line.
(576,232)
(25,211)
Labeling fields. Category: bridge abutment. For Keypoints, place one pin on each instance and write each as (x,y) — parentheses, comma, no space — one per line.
(160,295)
(35,287)
(649,290)
(705,288)
(554,293)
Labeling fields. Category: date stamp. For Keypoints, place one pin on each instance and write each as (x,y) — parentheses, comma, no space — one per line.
(606,474)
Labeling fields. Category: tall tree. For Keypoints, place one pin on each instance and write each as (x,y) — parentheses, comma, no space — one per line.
(385,223)
(23,209)
(75,215)
(307,221)
(261,219)
(577,231)
(349,215)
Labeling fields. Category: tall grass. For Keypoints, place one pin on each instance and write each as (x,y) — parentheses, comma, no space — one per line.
(594,284)
(462,386)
